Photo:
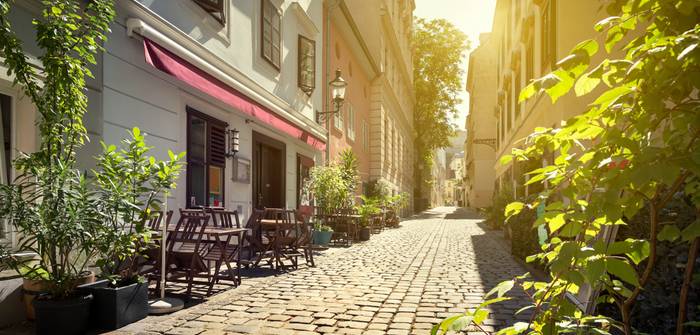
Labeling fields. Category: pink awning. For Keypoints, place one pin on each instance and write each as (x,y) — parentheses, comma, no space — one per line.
(164,60)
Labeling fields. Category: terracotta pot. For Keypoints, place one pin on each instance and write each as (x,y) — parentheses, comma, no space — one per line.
(34,287)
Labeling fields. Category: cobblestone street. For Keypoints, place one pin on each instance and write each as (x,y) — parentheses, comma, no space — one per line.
(402,281)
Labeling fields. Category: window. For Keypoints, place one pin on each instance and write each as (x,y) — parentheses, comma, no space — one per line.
(365,135)
(530,61)
(516,95)
(206,159)
(338,120)
(307,65)
(5,152)
(351,121)
(270,37)
(214,7)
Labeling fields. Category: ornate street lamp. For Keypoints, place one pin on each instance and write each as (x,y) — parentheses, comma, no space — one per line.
(337,85)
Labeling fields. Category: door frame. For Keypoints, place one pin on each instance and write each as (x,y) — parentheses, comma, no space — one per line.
(258,139)
(302,160)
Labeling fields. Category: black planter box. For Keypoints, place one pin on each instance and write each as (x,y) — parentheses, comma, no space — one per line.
(114,308)
(66,317)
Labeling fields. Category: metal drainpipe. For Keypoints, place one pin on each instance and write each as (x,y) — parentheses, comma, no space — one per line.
(326,100)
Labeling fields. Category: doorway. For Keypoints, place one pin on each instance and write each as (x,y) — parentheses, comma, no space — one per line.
(268,172)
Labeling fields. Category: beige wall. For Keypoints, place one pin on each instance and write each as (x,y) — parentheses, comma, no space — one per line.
(385,25)
(481,123)
(515,22)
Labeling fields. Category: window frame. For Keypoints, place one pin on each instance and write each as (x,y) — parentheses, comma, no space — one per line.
(308,87)
(208,7)
(350,124)
(278,43)
(207,163)
(7,238)
(339,119)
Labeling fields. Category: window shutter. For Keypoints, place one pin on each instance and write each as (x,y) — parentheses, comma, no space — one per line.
(215,8)
(217,142)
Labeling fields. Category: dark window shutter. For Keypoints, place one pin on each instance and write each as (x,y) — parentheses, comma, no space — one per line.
(213,7)
(217,142)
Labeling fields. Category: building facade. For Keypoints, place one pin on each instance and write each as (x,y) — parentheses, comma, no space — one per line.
(386,26)
(481,124)
(346,50)
(188,74)
(528,38)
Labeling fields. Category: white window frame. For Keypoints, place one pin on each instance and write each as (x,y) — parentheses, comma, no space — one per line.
(365,135)
(338,119)
(8,239)
(351,122)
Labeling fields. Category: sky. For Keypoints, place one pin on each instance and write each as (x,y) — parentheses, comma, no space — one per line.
(472,17)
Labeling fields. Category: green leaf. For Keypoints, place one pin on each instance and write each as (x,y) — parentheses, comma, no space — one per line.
(691,232)
(622,270)
(669,233)
(501,289)
(514,208)
(563,84)
(505,159)
(585,85)
(461,323)
(556,222)
(480,315)
(528,92)
(595,269)
(590,47)
(610,96)
(493,301)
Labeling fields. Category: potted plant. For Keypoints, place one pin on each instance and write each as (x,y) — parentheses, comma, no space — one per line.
(394,205)
(130,187)
(50,204)
(330,190)
(367,211)
(322,234)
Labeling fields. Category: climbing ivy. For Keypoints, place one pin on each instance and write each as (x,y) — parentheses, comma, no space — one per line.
(634,148)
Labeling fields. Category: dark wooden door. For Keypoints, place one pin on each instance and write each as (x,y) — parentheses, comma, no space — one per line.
(269,173)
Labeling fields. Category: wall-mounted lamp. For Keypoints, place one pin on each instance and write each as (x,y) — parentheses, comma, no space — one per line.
(234,142)
(337,86)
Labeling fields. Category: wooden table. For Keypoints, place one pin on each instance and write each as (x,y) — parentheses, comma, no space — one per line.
(223,251)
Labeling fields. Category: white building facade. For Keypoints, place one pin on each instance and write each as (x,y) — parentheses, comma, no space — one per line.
(189,73)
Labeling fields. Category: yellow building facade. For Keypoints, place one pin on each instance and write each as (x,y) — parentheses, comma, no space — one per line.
(527,39)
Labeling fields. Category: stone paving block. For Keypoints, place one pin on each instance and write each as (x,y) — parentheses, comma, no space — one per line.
(412,281)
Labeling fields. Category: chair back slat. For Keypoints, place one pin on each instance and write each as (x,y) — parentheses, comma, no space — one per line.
(157,218)
(225,218)
(188,231)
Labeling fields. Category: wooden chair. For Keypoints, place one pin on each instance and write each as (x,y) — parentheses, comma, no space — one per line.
(225,219)
(157,218)
(283,237)
(254,244)
(304,241)
(187,249)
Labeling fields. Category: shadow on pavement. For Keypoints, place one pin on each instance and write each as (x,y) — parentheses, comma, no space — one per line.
(461,213)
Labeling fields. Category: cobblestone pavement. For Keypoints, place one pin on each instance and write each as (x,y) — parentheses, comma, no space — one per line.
(402,281)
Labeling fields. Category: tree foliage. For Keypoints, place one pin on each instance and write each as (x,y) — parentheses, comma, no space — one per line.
(50,203)
(438,50)
(635,147)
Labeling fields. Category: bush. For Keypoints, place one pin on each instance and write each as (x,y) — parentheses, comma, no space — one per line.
(523,240)
(657,314)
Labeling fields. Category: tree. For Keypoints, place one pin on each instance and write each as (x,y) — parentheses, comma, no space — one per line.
(633,150)
(438,48)
(51,203)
